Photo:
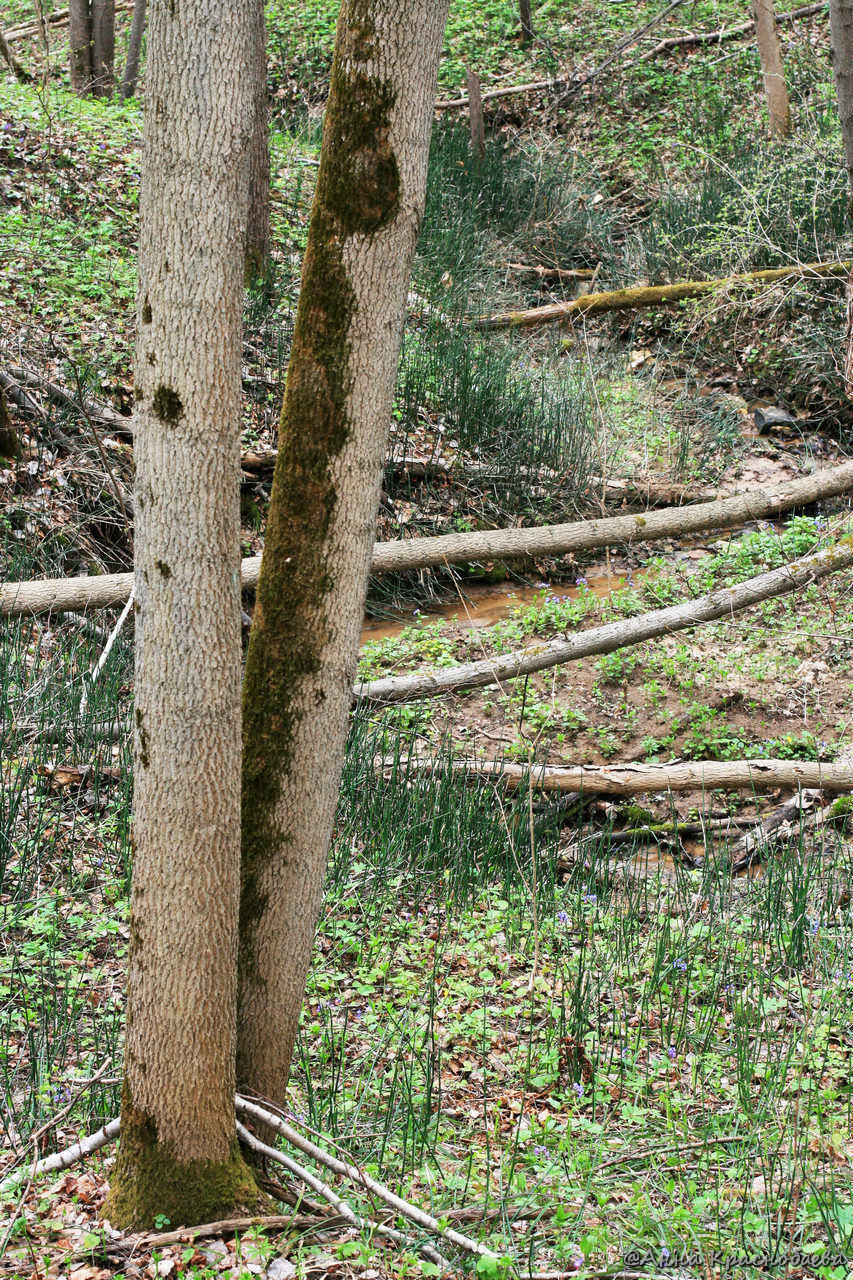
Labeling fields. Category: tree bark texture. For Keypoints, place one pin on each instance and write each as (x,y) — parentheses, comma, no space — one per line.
(841,55)
(258,226)
(611,636)
(179,1155)
(10,445)
(103,17)
(657,295)
(80,46)
(772,70)
(57,595)
(319,539)
(476,124)
(134,50)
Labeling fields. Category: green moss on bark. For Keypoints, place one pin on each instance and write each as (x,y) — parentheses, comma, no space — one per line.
(149,1182)
(358,193)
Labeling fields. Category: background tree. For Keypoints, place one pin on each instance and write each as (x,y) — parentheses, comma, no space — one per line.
(80,45)
(178,1154)
(526,21)
(103,20)
(258,226)
(841,42)
(772,70)
(134,50)
(320,528)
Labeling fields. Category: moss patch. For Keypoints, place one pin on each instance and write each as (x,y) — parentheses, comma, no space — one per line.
(358,191)
(150,1183)
(167,405)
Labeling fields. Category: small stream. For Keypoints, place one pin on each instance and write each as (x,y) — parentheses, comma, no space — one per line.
(481,606)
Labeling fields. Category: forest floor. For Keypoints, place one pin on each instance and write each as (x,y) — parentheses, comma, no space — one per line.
(602,1053)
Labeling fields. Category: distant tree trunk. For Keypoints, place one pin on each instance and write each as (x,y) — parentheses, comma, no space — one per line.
(80,45)
(526,21)
(258,226)
(134,50)
(179,1155)
(334,428)
(841,40)
(772,70)
(103,47)
(8,56)
(9,444)
(475,114)
(841,52)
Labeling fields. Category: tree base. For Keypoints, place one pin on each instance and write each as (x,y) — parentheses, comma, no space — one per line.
(150,1187)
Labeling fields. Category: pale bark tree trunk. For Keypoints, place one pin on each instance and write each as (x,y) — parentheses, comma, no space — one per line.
(179,1155)
(80,45)
(258,227)
(103,47)
(772,71)
(134,50)
(313,581)
(841,41)
(7,56)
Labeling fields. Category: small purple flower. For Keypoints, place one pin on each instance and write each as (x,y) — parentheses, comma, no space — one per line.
(681,965)
(580,582)
(814,925)
(665,1255)
(563,917)
(577,1262)
(590,897)
(540,1151)
(578,1088)
(671,1051)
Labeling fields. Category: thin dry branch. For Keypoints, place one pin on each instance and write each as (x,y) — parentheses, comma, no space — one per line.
(343,1169)
(593,304)
(66,1158)
(727,33)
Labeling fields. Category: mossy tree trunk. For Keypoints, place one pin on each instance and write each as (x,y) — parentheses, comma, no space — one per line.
(134,50)
(258,227)
(313,581)
(178,1155)
(772,70)
(80,45)
(10,446)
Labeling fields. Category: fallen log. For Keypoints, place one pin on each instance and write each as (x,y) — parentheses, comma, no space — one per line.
(612,636)
(60,595)
(593,304)
(633,779)
(552,273)
(728,33)
(53,19)
(509,91)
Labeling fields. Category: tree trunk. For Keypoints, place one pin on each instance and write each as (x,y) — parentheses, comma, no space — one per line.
(258,227)
(103,47)
(841,55)
(9,444)
(319,537)
(179,1155)
(134,50)
(773,73)
(8,56)
(80,46)
(526,21)
(476,123)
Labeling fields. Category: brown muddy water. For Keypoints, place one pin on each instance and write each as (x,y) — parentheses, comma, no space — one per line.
(478,607)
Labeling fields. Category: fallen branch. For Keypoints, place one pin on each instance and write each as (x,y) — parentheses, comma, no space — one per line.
(107,650)
(633,779)
(17,70)
(61,595)
(552,273)
(509,91)
(105,414)
(65,1159)
(722,603)
(729,33)
(593,304)
(56,18)
(344,1170)
(326,1192)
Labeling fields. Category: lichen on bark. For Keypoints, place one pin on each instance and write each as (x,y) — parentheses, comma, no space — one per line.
(358,193)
